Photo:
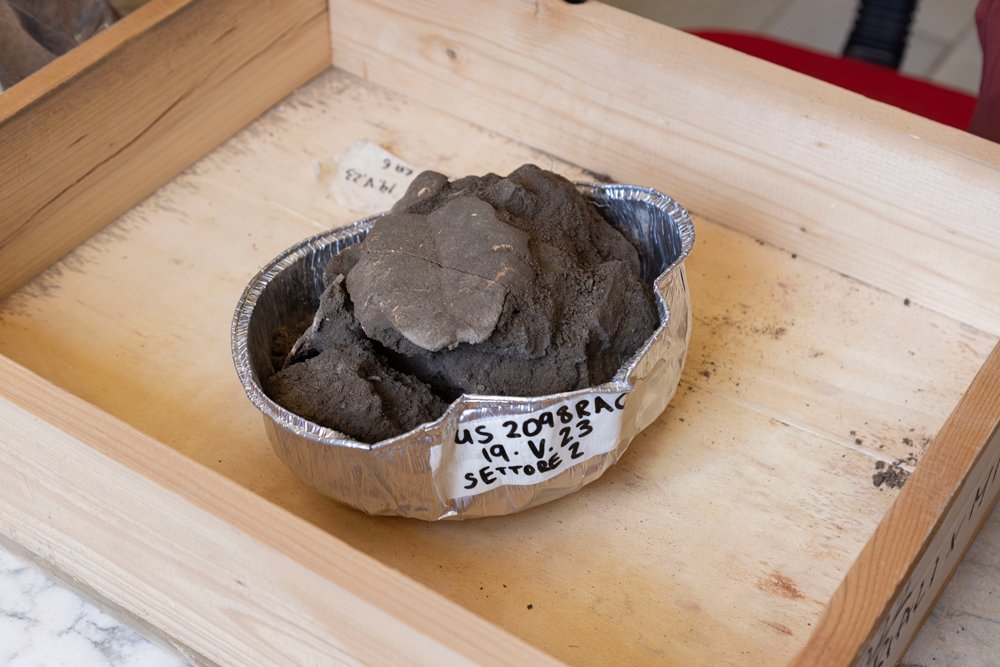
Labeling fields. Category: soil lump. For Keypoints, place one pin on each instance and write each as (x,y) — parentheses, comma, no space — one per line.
(486,285)
(352,389)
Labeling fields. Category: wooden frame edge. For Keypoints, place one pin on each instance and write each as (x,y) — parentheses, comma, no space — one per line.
(106,605)
(947,579)
(95,131)
(890,589)
(218,570)
(815,169)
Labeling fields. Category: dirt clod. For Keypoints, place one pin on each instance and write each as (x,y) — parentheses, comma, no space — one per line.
(509,286)
(893,477)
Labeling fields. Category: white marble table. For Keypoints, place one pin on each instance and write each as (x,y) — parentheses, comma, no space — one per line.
(43,625)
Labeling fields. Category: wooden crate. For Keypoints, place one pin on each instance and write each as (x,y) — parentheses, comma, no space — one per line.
(845,295)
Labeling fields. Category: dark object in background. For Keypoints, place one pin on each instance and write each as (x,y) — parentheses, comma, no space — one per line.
(924,98)
(60,25)
(35,32)
(880,31)
(20,54)
(986,120)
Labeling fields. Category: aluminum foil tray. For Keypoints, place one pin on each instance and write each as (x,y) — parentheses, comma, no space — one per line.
(487,455)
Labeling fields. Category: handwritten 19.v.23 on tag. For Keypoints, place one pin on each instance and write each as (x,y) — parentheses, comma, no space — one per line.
(369,179)
(526,449)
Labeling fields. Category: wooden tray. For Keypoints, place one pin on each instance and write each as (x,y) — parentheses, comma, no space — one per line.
(845,295)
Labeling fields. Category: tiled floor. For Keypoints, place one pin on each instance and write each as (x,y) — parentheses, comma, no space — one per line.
(943,45)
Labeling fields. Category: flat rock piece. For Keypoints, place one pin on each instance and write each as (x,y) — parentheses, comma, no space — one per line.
(441,279)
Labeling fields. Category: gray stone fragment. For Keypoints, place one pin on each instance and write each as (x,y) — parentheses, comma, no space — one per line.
(442,279)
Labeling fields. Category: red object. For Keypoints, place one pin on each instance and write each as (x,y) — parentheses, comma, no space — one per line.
(986,121)
(946,106)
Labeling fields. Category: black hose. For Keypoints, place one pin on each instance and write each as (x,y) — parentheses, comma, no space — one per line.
(880,31)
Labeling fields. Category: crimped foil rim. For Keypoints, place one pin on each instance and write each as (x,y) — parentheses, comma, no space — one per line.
(323,435)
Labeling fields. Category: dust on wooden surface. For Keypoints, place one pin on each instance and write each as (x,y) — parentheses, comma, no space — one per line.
(779,585)
(717,539)
(826,353)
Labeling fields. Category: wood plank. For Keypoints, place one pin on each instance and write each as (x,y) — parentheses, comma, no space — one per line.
(965,612)
(902,570)
(894,200)
(94,132)
(787,357)
(224,576)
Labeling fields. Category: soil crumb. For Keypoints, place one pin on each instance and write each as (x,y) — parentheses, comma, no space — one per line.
(892,476)
(509,286)
(283,341)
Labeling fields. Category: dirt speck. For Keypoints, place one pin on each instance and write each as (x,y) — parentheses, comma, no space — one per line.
(689,605)
(778,627)
(779,585)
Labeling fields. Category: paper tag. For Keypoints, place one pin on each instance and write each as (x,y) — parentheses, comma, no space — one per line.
(369,178)
(525,449)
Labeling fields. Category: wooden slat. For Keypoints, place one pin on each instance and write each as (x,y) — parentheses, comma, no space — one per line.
(91,134)
(221,575)
(230,578)
(895,200)
(902,570)
(756,454)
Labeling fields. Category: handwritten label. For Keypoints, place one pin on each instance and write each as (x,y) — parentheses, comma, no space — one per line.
(369,178)
(940,559)
(526,449)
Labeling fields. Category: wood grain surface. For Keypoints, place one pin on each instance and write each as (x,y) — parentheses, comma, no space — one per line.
(907,562)
(91,134)
(220,575)
(895,200)
(719,537)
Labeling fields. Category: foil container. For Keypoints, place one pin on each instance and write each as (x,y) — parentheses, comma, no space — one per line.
(487,455)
